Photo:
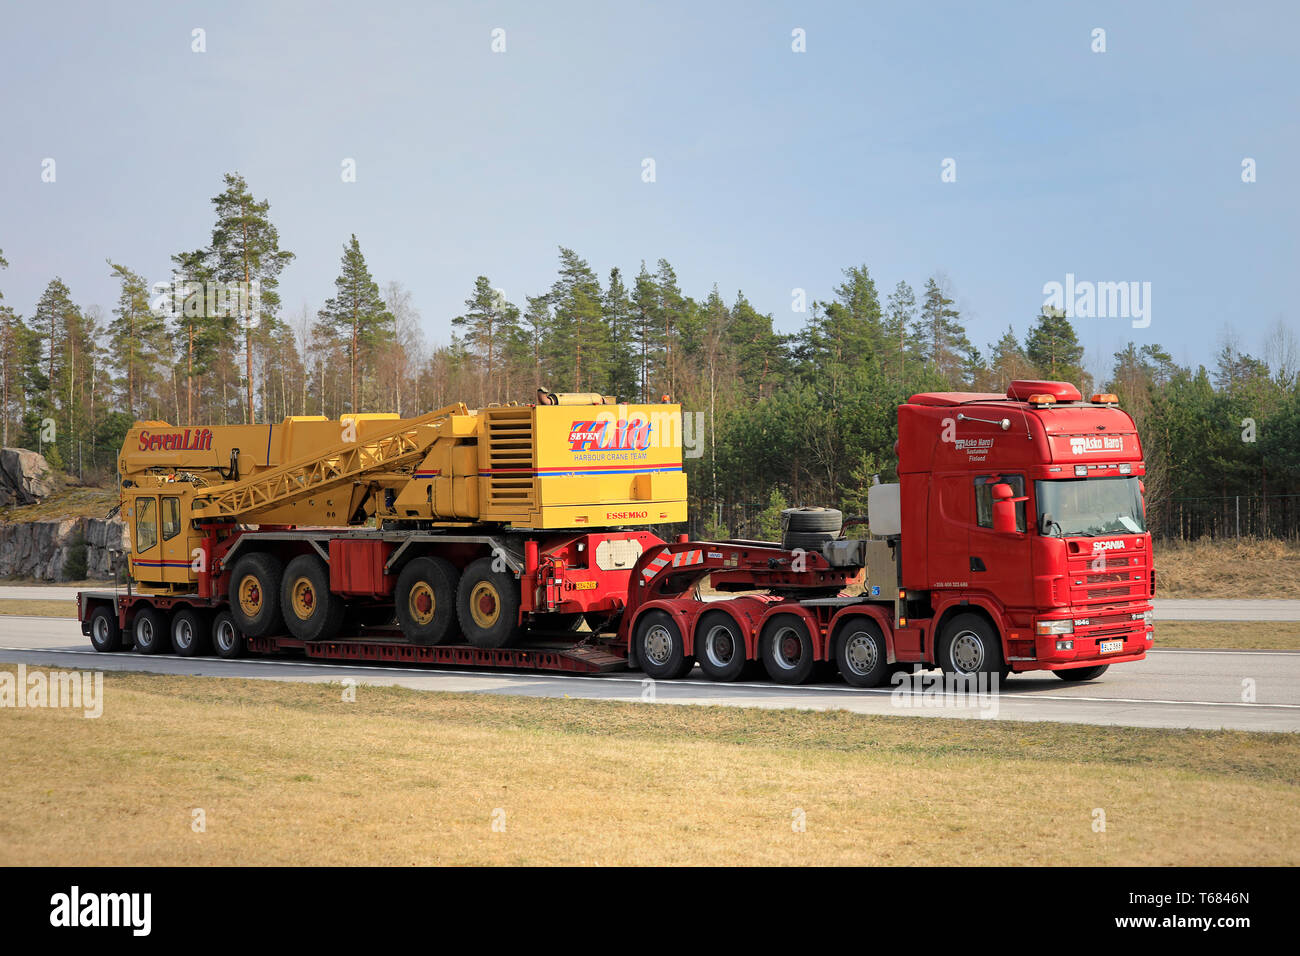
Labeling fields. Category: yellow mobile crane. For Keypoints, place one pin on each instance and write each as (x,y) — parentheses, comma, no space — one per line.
(473,523)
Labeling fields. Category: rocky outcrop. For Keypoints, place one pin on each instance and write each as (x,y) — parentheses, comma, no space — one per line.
(50,550)
(25,477)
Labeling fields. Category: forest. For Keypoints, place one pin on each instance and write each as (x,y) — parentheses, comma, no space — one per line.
(803,417)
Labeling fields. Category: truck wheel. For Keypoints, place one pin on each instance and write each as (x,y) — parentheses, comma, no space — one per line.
(1082,673)
(860,653)
(189,634)
(426,600)
(255,594)
(149,628)
(487,604)
(659,648)
(970,645)
(227,640)
(787,650)
(312,612)
(105,634)
(720,647)
(812,519)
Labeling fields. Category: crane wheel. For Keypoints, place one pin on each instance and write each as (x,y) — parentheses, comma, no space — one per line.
(487,604)
(189,633)
(149,629)
(720,647)
(860,653)
(105,634)
(255,594)
(312,612)
(426,600)
(660,651)
(227,640)
(787,650)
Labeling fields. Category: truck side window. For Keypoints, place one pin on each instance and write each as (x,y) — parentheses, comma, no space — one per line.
(984,498)
(146,523)
(171,518)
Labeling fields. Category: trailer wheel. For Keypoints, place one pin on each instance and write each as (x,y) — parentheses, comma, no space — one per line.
(426,600)
(227,640)
(660,651)
(487,604)
(1082,673)
(312,612)
(255,594)
(105,634)
(149,628)
(189,633)
(860,653)
(786,648)
(720,647)
(970,645)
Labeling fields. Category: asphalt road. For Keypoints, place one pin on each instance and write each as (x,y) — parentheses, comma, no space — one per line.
(1167,609)
(1172,688)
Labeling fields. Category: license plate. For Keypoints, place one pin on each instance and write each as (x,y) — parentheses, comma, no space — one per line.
(584,586)
(1110,647)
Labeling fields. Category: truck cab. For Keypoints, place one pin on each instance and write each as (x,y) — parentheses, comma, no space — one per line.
(1026,509)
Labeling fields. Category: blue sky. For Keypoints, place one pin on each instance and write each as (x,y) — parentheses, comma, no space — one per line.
(774,169)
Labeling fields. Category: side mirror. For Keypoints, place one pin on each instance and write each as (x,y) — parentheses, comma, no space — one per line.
(1004,508)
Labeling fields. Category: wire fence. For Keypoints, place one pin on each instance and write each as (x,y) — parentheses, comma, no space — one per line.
(1227,516)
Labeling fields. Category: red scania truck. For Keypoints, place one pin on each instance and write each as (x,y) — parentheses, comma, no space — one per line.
(1013,541)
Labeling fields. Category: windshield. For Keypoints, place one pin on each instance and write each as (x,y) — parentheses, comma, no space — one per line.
(1089,507)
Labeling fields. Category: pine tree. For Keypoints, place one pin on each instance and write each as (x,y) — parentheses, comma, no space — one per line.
(621,368)
(131,333)
(1054,349)
(940,334)
(489,323)
(357,315)
(246,248)
(648,332)
(898,333)
(578,341)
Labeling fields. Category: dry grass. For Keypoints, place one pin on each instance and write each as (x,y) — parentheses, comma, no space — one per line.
(289,773)
(1229,635)
(1228,569)
(74,501)
(19,607)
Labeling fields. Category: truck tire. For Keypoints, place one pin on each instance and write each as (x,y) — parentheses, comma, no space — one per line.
(312,612)
(812,519)
(1082,673)
(806,540)
(227,639)
(189,633)
(149,629)
(970,645)
(720,647)
(860,653)
(255,594)
(487,604)
(105,634)
(426,600)
(786,648)
(659,648)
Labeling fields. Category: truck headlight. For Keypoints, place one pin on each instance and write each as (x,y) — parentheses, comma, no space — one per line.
(1054,627)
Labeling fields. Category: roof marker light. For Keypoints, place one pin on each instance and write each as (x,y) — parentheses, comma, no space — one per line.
(1105,398)
(1042,399)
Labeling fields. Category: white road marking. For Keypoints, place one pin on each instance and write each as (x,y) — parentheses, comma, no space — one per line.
(607,678)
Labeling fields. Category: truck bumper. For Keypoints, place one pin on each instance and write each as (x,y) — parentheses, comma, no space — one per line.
(1085,652)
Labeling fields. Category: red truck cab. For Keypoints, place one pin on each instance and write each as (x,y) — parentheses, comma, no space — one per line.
(1028,506)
